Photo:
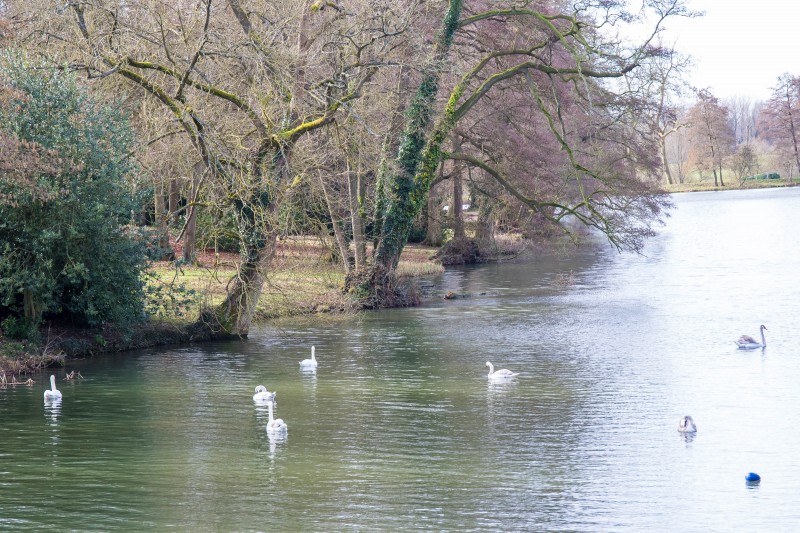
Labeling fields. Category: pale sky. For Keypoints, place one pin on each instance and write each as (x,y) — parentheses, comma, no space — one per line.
(740,47)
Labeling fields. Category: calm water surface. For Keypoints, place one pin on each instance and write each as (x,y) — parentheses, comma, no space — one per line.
(399,429)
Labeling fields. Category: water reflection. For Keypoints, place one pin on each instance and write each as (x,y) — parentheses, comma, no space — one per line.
(262,414)
(753,485)
(52,409)
(501,384)
(309,378)
(275,438)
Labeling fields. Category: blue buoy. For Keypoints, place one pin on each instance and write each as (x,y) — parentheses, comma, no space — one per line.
(752,477)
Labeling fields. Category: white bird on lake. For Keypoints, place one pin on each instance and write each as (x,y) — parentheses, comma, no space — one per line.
(687,425)
(310,363)
(275,426)
(746,342)
(263,395)
(503,373)
(52,393)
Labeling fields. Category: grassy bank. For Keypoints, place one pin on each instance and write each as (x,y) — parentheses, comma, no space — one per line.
(303,280)
(708,185)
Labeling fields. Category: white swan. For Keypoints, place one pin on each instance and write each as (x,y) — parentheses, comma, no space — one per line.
(53,393)
(687,425)
(503,373)
(275,426)
(309,363)
(263,395)
(746,342)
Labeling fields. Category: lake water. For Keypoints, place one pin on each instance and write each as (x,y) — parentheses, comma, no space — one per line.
(399,428)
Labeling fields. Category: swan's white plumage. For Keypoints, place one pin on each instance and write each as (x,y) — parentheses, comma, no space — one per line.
(503,373)
(52,393)
(746,342)
(310,363)
(687,425)
(263,395)
(275,425)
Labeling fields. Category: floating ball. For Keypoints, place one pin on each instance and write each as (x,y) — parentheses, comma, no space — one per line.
(752,477)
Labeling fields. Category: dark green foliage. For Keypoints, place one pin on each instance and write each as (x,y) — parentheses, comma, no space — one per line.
(170,298)
(66,251)
(217,229)
(418,231)
(19,328)
(770,176)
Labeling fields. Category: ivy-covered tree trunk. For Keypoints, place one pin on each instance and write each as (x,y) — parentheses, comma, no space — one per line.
(405,190)
(234,315)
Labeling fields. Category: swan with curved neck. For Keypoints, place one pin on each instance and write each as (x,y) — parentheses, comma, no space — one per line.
(503,373)
(275,425)
(310,363)
(52,393)
(687,425)
(263,395)
(746,342)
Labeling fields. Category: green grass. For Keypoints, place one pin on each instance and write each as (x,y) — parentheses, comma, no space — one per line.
(730,185)
(301,280)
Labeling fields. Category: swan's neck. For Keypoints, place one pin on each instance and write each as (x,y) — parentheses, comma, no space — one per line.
(763,339)
(491,369)
(53,379)
(313,357)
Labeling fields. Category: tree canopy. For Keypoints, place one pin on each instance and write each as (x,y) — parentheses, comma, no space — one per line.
(350,105)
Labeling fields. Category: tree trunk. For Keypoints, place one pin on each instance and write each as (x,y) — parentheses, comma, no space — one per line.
(189,237)
(233,317)
(174,199)
(32,307)
(458,193)
(433,226)
(406,189)
(484,232)
(793,132)
(161,221)
(337,221)
(355,187)
(664,160)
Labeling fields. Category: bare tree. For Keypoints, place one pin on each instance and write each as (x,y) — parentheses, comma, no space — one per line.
(742,117)
(663,86)
(744,161)
(558,59)
(780,116)
(711,136)
(245,84)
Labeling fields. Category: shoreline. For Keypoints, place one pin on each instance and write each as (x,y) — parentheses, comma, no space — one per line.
(318,293)
(315,291)
(736,186)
